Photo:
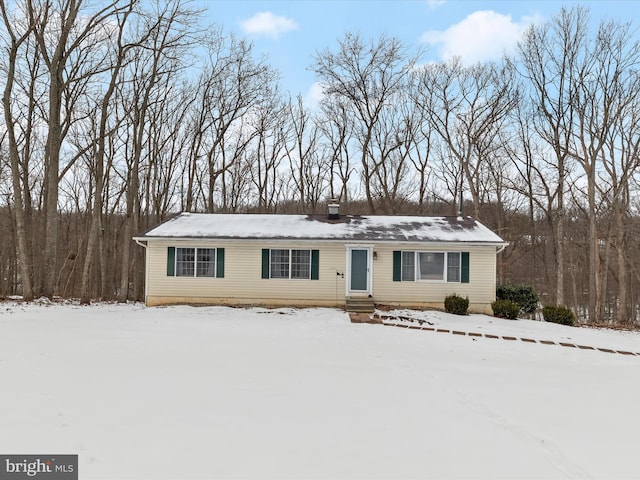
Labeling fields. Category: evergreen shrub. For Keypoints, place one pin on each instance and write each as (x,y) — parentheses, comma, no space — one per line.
(558,314)
(505,309)
(456,304)
(523,295)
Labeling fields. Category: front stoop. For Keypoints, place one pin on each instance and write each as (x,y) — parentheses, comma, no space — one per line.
(360,305)
(364,318)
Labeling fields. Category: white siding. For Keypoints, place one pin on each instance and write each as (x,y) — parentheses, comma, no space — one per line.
(480,289)
(242,283)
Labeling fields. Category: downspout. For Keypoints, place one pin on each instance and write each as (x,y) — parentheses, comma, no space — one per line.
(143,243)
(499,250)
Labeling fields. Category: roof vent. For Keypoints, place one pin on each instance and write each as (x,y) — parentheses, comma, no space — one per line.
(334,209)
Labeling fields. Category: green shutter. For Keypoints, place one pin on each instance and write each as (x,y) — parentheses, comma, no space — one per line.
(464,269)
(220,262)
(315,264)
(265,263)
(397,265)
(171,261)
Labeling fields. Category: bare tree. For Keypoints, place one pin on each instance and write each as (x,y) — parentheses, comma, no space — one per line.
(167,139)
(167,32)
(98,170)
(579,86)
(68,49)
(308,172)
(605,84)
(467,107)
(267,151)
(533,178)
(388,157)
(621,162)
(231,83)
(418,140)
(15,40)
(337,131)
(366,77)
(549,55)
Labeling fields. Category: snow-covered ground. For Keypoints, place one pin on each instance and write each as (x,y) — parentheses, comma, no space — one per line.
(215,392)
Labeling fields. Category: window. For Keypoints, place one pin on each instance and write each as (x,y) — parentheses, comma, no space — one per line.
(206,264)
(453,267)
(300,263)
(408,266)
(287,263)
(195,262)
(279,263)
(290,263)
(430,266)
(185,262)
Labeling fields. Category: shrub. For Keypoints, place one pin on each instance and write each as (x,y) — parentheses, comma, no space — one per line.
(505,309)
(523,295)
(456,304)
(558,314)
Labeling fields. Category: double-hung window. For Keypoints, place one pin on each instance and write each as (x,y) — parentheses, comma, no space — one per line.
(206,262)
(300,263)
(453,266)
(185,262)
(280,263)
(290,263)
(195,262)
(410,266)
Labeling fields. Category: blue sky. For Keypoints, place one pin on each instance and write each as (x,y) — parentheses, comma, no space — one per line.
(290,32)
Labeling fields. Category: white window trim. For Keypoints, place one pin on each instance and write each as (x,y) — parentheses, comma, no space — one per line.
(290,269)
(445,274)
(195,263)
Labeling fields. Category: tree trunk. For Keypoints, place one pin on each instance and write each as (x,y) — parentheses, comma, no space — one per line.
(622,315)
(14,160)
(99,174)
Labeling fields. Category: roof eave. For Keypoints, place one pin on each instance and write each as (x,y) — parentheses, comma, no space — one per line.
(322,239)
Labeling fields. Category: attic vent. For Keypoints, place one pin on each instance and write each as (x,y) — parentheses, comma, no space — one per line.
(334,210)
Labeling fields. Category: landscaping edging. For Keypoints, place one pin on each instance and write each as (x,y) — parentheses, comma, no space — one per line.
(378,319)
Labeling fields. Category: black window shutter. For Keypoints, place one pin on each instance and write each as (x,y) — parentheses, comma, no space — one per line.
(171,261)
(220,262)
(315,264)
(464,267)
(397,265)
(265,263)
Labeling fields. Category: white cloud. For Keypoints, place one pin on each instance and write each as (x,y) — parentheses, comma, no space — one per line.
(314,96)
(481,36)
(267,24)
(433,4)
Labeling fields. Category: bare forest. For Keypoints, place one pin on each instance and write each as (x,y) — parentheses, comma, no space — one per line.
(119,114)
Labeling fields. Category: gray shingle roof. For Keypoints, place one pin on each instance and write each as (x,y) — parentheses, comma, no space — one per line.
(319,227)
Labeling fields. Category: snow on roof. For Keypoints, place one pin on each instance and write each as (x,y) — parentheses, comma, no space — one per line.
(319,227)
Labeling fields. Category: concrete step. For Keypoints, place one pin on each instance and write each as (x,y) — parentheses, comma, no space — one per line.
(360,305)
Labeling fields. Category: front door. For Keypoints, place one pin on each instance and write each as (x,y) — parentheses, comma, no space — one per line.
(359,270)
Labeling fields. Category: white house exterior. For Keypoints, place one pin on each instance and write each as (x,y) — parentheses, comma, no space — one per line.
(304,260)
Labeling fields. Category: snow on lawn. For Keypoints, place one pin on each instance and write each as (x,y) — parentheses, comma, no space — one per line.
(215,392)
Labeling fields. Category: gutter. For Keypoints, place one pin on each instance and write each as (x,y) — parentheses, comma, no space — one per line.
(501,249)
(142,243)
(368,241)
